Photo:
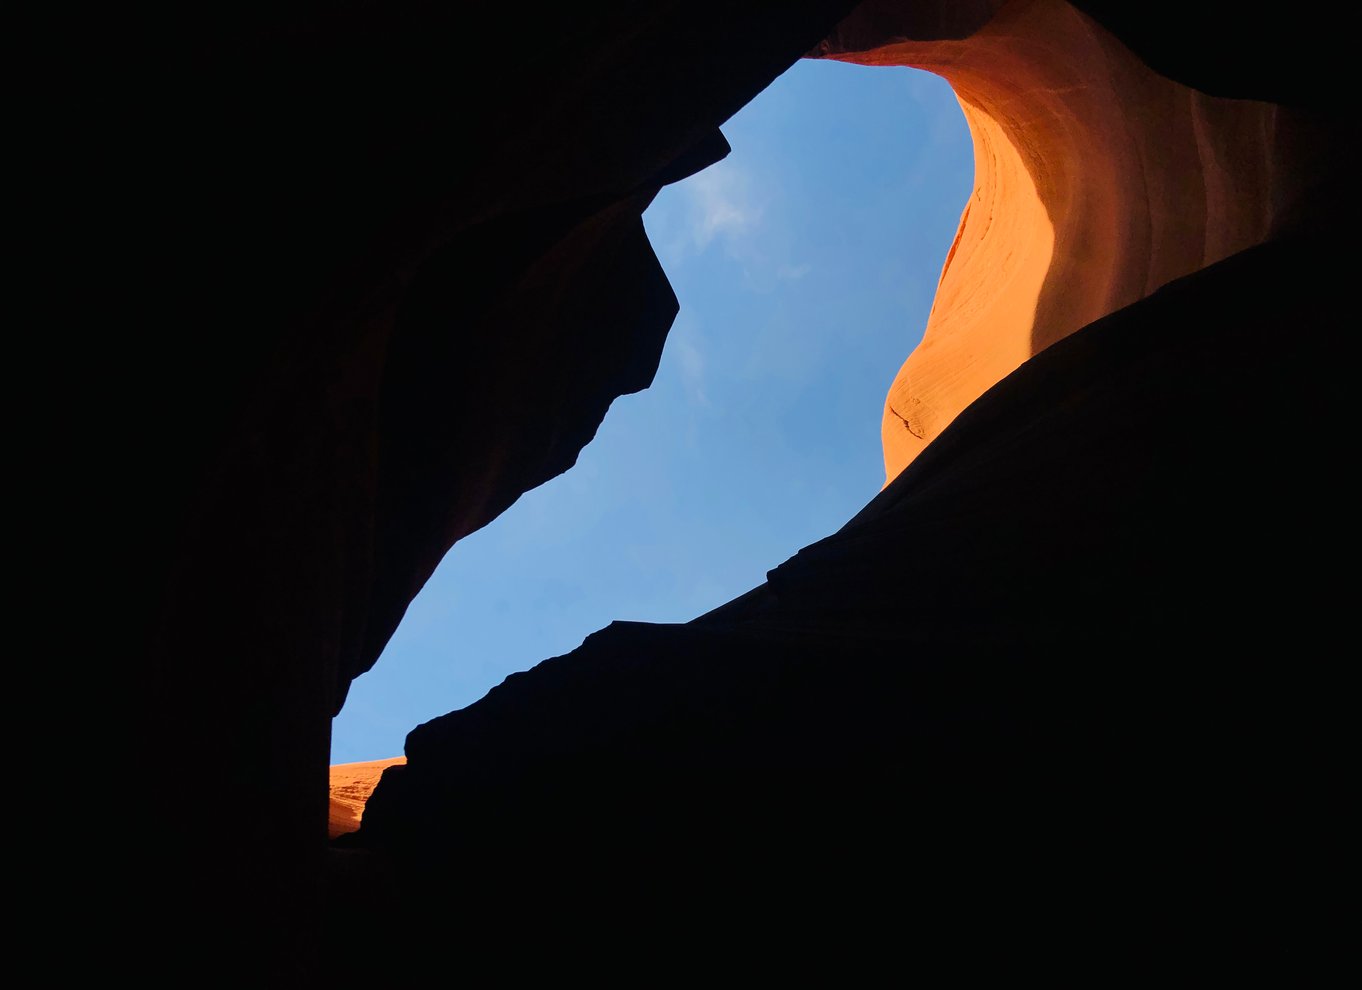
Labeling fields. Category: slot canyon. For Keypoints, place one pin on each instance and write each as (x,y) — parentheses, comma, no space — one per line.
(1063,694)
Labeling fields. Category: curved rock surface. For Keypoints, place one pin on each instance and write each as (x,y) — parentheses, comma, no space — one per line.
(351,785)
(342,281)
(1096,181)
(376,270)
(1107,727)
(1063,689)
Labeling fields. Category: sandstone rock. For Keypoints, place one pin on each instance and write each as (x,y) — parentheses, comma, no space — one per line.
(351,785)
(1096,182)
(346,282)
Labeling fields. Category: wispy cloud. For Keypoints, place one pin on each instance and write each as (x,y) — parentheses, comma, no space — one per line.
(737,212)
(692,365)
(721,205)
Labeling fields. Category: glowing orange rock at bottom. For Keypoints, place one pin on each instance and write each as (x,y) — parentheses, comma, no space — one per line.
(351,785)
(1096,182)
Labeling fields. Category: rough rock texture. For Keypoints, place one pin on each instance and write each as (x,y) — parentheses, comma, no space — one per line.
(351,785)
(1096,181)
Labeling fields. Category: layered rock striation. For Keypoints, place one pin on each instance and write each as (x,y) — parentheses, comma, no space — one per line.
(350,786)
(1097,180)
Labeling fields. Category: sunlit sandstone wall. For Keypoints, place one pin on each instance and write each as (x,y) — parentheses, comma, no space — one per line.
(1096,182)
(351,785)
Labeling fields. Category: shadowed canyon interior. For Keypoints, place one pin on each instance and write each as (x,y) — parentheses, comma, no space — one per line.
(1063,690)
(1096,182)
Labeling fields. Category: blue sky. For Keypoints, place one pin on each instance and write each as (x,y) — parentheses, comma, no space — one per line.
(805,264)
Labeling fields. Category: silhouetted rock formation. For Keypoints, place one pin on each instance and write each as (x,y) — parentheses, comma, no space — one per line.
(1076,652)
(1025,690)
(1050,688)
(394,251)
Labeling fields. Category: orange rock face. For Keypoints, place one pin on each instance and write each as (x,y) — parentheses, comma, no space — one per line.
(351,785)
(1096,182)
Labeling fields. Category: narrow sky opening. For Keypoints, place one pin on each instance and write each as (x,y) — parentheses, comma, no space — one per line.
(805,263)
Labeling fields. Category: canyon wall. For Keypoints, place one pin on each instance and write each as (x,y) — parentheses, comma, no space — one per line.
(1061,694)
(335,285)
(350,787)
(1096,182)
